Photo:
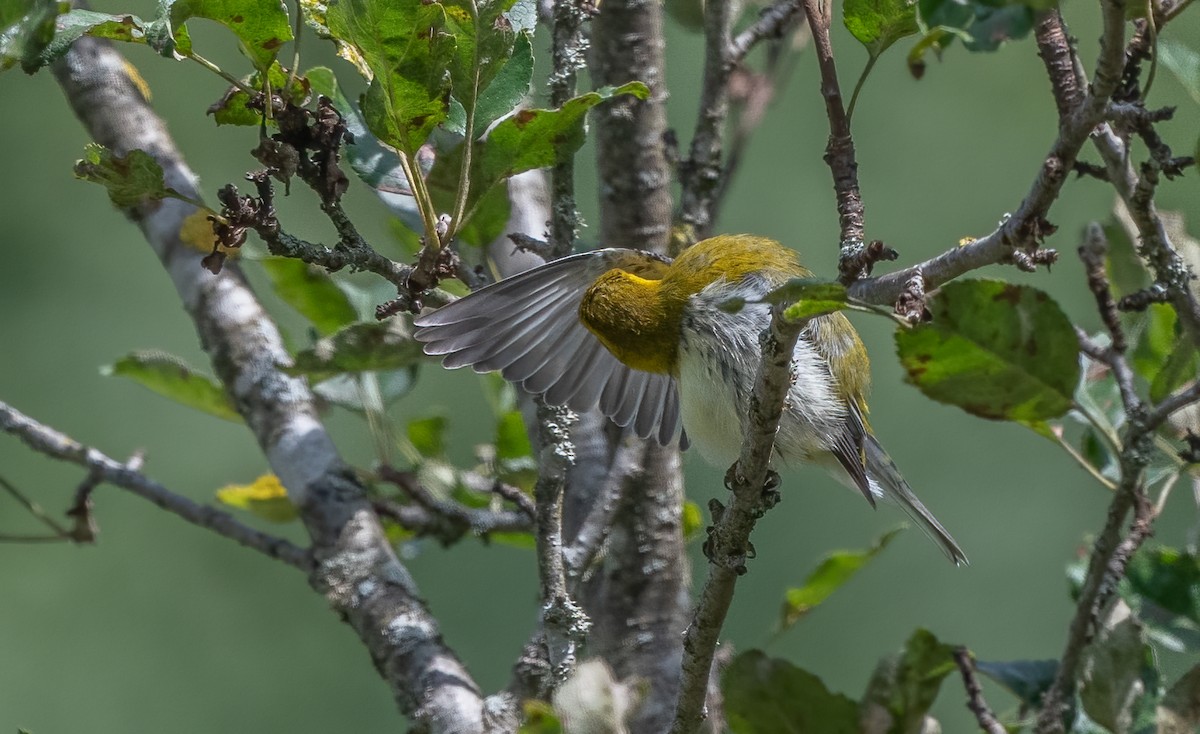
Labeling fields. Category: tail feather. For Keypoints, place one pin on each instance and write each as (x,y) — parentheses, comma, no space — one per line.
(891,485)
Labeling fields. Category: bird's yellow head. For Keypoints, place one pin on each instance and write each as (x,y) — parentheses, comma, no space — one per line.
(637,312)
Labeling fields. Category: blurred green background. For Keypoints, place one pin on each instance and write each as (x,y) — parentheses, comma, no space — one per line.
(166,627)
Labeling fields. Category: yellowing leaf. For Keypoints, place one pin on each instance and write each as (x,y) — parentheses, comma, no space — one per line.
(197,232)
(265,497)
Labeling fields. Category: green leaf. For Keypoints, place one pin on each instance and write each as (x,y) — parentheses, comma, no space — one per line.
(365,391)
(906,685)
(993,27)
(262,26)
(512,440)
(766,696)
(171,377)
(232,109)
(310,291)
(834,570)
(509,87)
(71,26)
(484,38)
(527,140)
(877,24)
(1179,369)
(26,30)
(265,497)
(1117,671)
(1156,341)
(810,297)
(406,50)
(1167,578)
(997,350)
(1126,271)
(360,347)
(428,435)
(1183,62)
(693,520)
(539,718)
(1179,710)
(132,179)
(1028,680)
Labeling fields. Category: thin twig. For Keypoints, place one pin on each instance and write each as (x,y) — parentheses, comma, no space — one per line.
(773,21)
(700,174)
(446,520)
(564,623)
(728,546)
(589,539)
(975,701)
(839,152)
(50,442)
(1092,252)
(569,54)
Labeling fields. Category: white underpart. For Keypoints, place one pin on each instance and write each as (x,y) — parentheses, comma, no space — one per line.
(718,363)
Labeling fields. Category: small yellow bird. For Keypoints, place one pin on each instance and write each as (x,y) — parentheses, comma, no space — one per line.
(646,340)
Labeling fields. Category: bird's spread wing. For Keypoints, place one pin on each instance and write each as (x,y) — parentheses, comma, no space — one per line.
(527,327)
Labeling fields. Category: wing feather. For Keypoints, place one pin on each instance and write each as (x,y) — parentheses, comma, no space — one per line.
(528,328)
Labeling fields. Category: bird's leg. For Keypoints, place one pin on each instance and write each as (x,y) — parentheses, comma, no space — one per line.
(770,492)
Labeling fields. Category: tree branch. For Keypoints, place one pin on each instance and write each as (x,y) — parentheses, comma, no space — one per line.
(568,50)
(356,568)
(1021,231)
(700,174)
(56,445)
(728,546)
(839,151)
(975,702)
(638,595)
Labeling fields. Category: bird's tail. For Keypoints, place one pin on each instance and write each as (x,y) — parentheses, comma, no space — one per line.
(890,485)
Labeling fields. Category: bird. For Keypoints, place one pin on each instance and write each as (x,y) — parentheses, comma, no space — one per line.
(654,344)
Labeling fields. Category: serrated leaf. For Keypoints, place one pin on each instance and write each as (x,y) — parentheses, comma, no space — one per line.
(232,109)
(997,350)
(171,377)
(406,51)
(1179,710)
(26,30)
(766,695)
(834,570)
(1028,680)
(877,24)
(484,38)
(310,291)
(509,87)
(131,180)
(810,297)
(71,26)
(1183,62)
(360,347)
(265,497)
(530,139)
(262,26)
(906,685)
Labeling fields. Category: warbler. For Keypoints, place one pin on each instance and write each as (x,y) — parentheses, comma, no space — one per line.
(646,340)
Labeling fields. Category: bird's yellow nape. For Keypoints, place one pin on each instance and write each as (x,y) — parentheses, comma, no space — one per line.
(629,316)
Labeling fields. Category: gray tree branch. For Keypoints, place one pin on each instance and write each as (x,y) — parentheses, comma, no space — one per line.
(355,566)
(46,440)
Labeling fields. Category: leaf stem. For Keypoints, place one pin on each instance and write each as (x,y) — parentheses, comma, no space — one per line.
(234,81)
(1087,465)
(862,78)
